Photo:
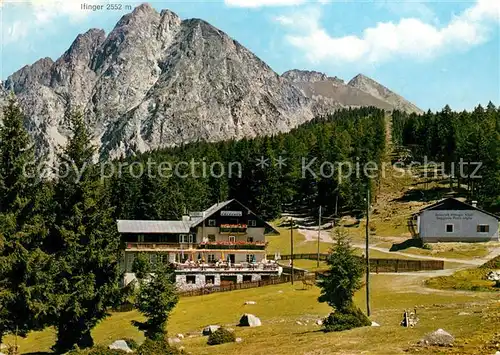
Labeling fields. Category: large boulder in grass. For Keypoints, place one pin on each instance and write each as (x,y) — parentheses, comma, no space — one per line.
(438,338)
(120,345)
(210,329)
(494,275)
(249,320)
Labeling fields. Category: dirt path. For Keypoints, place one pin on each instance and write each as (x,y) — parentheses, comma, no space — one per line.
(312,236)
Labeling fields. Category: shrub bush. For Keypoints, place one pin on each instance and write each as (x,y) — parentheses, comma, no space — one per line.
(157,347)
(221,336)
(349,318)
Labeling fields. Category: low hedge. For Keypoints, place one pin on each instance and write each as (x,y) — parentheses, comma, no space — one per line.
(221,336)
(349,318)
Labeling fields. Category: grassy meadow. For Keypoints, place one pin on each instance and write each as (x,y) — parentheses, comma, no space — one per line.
(471,317)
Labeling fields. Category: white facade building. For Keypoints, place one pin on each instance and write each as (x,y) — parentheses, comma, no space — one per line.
(224,244)
(451,220)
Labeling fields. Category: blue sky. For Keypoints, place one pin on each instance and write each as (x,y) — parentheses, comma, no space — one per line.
(433,53)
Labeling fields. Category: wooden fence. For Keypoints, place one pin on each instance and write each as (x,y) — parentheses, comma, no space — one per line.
(379,265)
(243,285)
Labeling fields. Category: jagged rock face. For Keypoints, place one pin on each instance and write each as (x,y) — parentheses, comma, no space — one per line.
(210,88)
(379,91)
(157,81)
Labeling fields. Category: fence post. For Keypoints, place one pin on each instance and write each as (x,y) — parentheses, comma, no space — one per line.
(396,266)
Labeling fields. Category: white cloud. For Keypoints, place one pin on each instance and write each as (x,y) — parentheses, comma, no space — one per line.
(408,8)
(33,15)
(410,37)
(46,10)
(262,3)
(13,32)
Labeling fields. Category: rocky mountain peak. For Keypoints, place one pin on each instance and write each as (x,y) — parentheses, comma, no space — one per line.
(375,89)
(144,10)
(169,22)
(361,78)
(84,46)
(38,72)
(141,19)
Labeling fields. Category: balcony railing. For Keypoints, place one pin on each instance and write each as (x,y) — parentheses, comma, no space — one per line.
(233,229)
(233,245)
(225,266)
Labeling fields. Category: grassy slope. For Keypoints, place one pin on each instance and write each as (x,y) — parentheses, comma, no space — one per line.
(471,279)
(453,250)
(279,312)
(281,243)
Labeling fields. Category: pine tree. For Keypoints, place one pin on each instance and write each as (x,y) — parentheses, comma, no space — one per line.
(25,270)
(338,286)
(156,296)
(85,243)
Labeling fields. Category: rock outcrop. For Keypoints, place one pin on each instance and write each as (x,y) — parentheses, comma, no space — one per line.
(361,91)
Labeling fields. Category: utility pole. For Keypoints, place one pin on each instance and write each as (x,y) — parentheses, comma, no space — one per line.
(291,246)
(319,234)
(367,252)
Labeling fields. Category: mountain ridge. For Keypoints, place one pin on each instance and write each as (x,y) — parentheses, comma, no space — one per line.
(156,81)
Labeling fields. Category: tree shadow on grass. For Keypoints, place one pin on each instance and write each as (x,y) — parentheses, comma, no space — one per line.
(413,242)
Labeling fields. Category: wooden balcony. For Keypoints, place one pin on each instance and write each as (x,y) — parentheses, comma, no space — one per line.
(157,246)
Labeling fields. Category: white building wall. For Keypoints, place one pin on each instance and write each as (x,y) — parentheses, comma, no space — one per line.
(432,226)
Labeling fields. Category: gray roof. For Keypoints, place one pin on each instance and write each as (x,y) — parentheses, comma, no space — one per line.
(172,227)
(208,212)
(134,227)
(453,204)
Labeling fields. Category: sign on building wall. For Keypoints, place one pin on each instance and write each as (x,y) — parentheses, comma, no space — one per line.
(454,216)
(231,213)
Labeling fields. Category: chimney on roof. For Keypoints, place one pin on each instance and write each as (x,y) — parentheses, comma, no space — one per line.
(186,218)
(474,204)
